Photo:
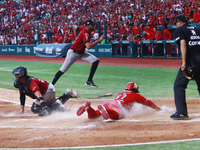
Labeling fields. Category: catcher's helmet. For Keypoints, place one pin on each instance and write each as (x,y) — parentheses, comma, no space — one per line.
(19,72)
(132,86)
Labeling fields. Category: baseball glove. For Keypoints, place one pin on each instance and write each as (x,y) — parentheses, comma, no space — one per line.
(190,71)
(188,74)
(45,111)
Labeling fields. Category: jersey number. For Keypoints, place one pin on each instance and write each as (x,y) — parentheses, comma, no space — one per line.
(121,96)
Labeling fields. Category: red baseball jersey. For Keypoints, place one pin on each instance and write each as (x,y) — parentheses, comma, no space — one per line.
(167,34)
(158,35)
(36,84)
(127,98)
(79,43)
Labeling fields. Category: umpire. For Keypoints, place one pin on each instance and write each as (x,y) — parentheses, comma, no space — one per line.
(188,39)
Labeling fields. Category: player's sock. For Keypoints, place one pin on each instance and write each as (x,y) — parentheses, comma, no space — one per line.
(93,69)
(57,76)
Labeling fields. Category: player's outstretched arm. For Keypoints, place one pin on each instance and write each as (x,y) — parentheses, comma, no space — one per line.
(93,44)
(152,105)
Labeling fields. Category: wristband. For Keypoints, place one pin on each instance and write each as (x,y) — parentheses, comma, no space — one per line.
(40,98)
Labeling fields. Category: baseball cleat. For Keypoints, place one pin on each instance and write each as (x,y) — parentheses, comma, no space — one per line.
(103,111)
(91,83)
(177,116)
(83,108)
(73,94)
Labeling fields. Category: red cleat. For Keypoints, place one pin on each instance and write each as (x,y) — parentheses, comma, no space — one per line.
(83,108)
(103,111)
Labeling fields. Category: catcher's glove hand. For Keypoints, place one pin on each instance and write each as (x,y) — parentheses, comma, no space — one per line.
(45,111)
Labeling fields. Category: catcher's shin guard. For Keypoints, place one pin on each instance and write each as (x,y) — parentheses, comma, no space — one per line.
(69,94)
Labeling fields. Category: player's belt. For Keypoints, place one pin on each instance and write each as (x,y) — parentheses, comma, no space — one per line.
(77,52)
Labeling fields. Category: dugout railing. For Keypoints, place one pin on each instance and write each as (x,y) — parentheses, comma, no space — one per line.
(147,49)
(159,49)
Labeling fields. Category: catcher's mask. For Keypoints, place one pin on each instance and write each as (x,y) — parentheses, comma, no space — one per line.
(132,86)
(19,73)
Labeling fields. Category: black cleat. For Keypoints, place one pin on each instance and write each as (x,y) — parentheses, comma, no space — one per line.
(177,116)
(91,83)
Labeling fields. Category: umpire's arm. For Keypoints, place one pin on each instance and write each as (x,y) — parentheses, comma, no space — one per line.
(183,47)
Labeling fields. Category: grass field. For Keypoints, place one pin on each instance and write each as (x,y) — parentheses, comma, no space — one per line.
(153,83)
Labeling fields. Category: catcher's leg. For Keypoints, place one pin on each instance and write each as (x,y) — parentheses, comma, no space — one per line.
(69,94)
(58,106)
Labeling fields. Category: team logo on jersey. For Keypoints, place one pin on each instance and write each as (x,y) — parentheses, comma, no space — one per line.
(191,27)
(177,38)
(193,32)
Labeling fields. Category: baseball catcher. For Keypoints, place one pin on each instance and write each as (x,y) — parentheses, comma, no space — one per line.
(114,109)
(41,90)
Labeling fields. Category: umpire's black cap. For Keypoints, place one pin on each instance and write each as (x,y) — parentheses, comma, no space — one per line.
(89,22)
(181,18)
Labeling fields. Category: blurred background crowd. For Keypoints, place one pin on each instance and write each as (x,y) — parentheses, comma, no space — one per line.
(131,19)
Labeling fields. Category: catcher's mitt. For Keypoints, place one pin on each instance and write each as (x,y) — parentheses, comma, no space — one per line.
(45,111)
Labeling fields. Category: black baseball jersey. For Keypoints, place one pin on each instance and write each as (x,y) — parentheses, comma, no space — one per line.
(192,36)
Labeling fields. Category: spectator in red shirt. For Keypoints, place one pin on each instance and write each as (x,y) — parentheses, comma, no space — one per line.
(136,28)
(137,40)
(167,36)
(159,51)
(195,15)
(150,36)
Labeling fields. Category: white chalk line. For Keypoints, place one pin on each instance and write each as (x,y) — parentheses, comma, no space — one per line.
(92,125)
(4,100)
(104,146)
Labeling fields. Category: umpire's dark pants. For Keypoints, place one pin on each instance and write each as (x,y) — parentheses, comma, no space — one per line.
(180,85)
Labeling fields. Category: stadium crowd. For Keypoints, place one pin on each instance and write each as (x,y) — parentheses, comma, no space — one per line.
(57,18)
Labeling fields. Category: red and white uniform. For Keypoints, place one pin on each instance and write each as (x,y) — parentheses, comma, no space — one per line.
(124,100)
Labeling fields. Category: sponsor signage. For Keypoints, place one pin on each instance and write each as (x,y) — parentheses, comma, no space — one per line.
(52,50)
(17,49)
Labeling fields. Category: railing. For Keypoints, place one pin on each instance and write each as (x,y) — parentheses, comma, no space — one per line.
(158,49)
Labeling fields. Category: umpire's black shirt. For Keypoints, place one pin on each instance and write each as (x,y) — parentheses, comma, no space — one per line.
(192,36)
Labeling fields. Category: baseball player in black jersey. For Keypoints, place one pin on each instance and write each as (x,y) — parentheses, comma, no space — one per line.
(188,38)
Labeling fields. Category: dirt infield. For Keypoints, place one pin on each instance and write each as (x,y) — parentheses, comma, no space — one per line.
(65,129)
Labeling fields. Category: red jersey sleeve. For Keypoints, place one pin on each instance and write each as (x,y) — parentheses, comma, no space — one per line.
(38,85)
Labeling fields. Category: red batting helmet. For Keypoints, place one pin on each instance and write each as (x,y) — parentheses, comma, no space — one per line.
(131,86)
